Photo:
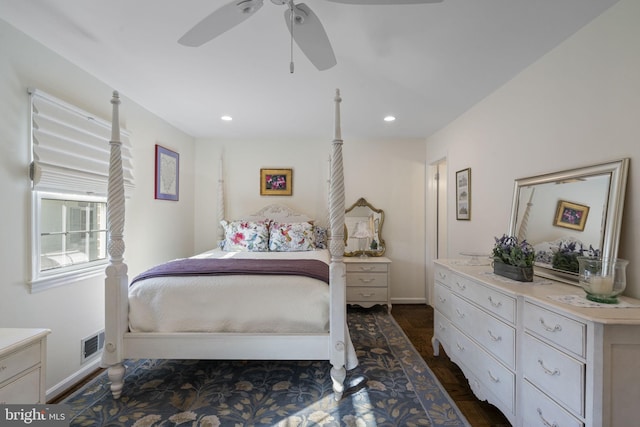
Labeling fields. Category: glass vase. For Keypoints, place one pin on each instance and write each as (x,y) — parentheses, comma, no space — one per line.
(603,279)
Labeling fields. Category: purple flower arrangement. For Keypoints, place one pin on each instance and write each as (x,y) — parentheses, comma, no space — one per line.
(509,250)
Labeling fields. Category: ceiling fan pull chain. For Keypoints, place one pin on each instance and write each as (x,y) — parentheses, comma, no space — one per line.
(291,19)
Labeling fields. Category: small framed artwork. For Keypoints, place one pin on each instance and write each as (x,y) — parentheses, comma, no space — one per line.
(276,182)
(167,174)
(571,215)
(463,194)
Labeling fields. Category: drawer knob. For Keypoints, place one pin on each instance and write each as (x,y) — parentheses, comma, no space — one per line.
(366,268)
(547,370)
(366,280)
(461,348)
(460,314)
(493,337)
(2,368)
(493,303)
(461,286)
(544,421)
(442,300)
(548,328)
(492,378)
(367,295)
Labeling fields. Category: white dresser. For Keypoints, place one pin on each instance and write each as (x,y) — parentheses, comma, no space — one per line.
(540,361)
(368,281)
(22,365)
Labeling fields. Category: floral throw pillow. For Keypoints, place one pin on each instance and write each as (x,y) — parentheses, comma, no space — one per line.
(291,237)
(245,236)
(321,235)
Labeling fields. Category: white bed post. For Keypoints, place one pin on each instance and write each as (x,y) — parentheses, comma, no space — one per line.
(116,303)
(220,202)
(337,276)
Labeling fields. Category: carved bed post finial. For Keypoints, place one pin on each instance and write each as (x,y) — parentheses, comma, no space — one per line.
(220,201)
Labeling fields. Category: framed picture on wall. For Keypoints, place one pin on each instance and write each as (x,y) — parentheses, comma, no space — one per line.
(571,215)
(167,174)
(463,194)
(276,182)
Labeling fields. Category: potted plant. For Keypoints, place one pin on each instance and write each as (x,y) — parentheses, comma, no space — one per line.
(513,259)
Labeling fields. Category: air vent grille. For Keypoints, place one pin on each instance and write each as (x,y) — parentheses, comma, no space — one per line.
(91,345)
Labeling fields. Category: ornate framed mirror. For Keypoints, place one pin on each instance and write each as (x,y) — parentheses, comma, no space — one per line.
(570,213)
(363,230)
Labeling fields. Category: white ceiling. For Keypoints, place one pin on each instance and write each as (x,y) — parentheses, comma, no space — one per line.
(425,64)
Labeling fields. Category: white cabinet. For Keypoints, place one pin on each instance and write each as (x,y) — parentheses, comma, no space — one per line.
(368,281)
(22,365)
(540,361)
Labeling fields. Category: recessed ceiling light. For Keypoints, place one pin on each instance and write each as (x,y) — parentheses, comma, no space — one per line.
(226,118)
(389,119)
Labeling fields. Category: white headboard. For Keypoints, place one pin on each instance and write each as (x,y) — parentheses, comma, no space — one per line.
(279,213)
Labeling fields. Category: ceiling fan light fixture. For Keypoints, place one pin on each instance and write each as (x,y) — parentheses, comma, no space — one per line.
(390,118)
(226,118)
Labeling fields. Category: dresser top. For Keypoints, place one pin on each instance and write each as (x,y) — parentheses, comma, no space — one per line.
(541,291)
(13,338)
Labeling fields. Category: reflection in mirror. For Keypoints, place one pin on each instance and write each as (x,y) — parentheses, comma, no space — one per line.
(363,230)
(570,213)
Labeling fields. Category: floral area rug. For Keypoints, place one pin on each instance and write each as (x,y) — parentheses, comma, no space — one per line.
(392,386)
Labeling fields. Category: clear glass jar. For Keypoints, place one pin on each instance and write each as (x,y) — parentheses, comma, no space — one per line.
(603,279)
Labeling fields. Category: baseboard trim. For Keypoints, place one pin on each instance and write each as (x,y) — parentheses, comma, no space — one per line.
(69,382)
(408,301)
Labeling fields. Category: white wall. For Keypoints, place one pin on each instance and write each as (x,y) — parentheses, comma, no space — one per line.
(578,105)
(155,230)
(390,175)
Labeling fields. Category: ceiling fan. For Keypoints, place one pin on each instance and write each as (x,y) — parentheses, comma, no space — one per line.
(304,26)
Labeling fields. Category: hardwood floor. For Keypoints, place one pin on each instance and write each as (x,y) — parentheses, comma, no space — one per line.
(417,322)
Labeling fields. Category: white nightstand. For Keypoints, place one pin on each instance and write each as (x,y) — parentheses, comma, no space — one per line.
(23,355)
(368,281)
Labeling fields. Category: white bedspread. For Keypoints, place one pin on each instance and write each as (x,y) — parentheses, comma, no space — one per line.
(288,304)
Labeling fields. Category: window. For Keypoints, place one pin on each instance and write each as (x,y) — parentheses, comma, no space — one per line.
(69,174)
(71,235)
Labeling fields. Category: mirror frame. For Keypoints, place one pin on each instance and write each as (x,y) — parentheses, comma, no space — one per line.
(610,235)
(381,243)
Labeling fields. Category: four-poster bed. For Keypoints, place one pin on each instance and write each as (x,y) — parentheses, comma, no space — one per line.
(329,341)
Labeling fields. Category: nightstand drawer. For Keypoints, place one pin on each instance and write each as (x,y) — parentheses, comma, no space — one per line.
(19,361)
(24,389)
(367,279)
(366,267)
(367,294)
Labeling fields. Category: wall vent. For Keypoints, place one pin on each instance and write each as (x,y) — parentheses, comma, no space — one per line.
(91,345)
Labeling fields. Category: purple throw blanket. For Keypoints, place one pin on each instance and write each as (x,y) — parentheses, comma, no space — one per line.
(221,266)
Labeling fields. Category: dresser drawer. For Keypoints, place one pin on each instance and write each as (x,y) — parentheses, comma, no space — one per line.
(366,294)
(494,335)
(540,411)
(19,361)
(557,374)
(442,299)
(365,267)
(495,377)
(442,275)
(562,331)
(502,305)
(367,279)
(442,329)
(24,389)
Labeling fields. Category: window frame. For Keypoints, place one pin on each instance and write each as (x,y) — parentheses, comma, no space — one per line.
(42,280)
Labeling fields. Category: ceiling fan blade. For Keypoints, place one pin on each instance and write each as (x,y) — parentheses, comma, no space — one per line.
(310,37)
(221,20)
(389,2)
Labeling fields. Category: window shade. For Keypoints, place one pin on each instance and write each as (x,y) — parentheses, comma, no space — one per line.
(71,148)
